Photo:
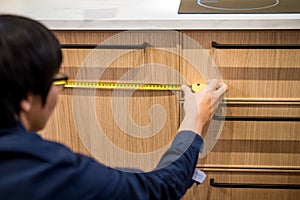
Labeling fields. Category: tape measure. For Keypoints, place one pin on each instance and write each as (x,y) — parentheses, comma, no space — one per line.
(127,86)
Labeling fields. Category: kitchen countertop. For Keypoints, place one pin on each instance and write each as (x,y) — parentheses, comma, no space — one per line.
(138,15)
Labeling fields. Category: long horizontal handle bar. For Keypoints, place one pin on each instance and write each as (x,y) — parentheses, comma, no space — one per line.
(262,101)
(105,46)
(255,118)
(250,185)
(254,46)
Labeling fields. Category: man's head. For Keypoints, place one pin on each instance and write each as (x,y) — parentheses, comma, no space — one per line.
(30,57)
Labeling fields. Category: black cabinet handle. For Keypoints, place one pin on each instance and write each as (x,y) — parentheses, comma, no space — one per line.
(250,185)
(104,46)
(255,118)
(254,46)
(262,101)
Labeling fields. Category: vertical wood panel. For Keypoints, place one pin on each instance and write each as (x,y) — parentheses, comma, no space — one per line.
(135,131)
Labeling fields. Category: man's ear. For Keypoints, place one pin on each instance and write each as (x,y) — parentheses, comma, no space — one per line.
(26,104)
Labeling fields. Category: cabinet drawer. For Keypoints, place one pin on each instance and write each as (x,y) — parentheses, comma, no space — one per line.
(260,72)
(259,143)
(246,179)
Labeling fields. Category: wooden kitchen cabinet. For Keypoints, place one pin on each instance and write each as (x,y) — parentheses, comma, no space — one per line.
(259,140)
(120,128)
(263,83)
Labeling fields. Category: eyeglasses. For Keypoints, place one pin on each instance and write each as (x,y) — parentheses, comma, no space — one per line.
(60,80)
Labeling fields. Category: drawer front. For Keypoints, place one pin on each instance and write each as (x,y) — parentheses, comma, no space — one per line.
(262,72)
(250,185)
(258,143)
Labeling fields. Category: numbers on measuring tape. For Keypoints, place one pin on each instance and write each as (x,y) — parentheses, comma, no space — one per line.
(136,86)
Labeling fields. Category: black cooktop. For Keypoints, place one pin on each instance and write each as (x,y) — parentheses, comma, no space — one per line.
(238,6)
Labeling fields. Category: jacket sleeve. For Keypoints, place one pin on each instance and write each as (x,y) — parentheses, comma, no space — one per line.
(170,180)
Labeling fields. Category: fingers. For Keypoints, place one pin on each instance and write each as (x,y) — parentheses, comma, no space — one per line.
(216,86)
(217,90)
(213,84)
(221,90)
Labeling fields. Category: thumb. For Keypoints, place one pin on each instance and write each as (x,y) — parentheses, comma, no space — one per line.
(186,89)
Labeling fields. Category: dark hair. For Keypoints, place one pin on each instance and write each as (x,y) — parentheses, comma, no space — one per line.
(30,56)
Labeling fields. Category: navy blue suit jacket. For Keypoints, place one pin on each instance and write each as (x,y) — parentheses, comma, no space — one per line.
(32,168)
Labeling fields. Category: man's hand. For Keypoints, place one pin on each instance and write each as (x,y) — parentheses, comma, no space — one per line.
(200,107)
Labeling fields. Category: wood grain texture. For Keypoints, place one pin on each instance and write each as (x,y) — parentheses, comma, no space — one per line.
(118,128)
(253,146)
(266,152)
(205,191)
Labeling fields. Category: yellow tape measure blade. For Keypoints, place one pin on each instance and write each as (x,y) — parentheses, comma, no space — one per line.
(138,86)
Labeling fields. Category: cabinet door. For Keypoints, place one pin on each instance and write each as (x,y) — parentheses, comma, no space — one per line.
(120,128)
(262,109)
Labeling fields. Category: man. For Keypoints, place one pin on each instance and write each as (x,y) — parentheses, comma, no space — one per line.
(33,168)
